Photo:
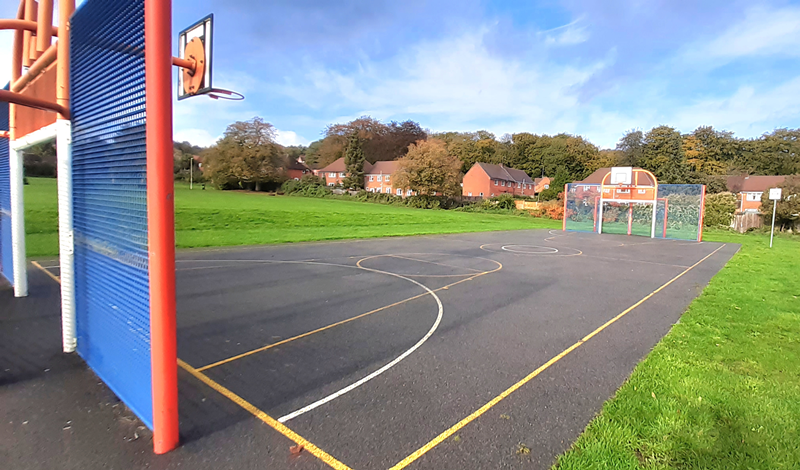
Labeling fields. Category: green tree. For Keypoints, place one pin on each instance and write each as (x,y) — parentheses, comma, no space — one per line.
(664,156)
(246,156)
(632,147)
(561,178)
(787,214)
(354,163)
(428,168)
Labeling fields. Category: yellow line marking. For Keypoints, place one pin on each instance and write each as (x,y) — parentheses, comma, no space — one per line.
(271,422)
(443,436)
(332,325)
(52,276)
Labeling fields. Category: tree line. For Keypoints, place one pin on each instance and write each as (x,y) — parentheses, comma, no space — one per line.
(247,155)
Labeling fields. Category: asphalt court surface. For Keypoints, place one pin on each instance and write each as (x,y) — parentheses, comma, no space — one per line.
(371,349)
(437,352)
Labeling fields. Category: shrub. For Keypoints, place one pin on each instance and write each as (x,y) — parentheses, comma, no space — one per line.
(720,208)
(504,201)
(309,185)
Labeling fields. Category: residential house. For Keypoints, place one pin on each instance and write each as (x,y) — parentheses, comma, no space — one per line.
(487,180)
(334,173)
(378,178)
(748,190)
(296,170)
(540,184)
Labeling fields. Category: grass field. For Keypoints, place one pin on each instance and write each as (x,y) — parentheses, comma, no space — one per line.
(722,389)
(224,218)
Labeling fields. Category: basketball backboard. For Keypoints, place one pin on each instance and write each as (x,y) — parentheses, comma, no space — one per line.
(621,175)
(196,43)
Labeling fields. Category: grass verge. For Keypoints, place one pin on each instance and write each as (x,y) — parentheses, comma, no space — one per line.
(225,218)
(722,389)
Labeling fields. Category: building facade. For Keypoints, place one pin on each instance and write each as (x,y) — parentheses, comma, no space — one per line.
(487,180)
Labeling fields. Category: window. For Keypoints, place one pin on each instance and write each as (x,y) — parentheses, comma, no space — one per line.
(332,175)
(388,191)
(387,178)
(399,192)
(547,186)
(371,177)
(753,197)
(380,177)
(481,194)
(408,193)
(342,175)
(297,179)
(470,194)
(330,184)
(495,182)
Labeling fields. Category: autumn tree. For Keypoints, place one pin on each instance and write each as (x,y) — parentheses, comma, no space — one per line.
(246,156)
(354,163)
(709,151)
(428,168)
(379,141)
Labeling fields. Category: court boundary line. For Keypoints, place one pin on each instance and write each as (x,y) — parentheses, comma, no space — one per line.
(480,411)
(264,417)
(52,276)
(347,320)
(247,406)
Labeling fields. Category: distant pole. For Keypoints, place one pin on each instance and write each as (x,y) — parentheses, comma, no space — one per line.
(772,232)
(191,173)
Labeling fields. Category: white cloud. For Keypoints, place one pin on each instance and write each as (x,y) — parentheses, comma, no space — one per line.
(287,138)
(748,111)
(199,137)
(457,82)
(762,31)
(567,35)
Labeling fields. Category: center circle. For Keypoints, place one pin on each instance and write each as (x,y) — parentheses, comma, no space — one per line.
(530,249)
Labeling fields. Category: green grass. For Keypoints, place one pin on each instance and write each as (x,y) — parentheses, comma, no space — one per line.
(225,218)
(722,389)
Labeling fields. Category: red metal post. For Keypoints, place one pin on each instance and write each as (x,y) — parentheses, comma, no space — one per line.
(702,213)
(630,217)
(161,222)
(564,216)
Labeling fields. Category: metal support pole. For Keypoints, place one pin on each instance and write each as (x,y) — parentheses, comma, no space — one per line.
(653,224)
(161,222)
(774,210)
(66,245)
(191,173)
(18,224)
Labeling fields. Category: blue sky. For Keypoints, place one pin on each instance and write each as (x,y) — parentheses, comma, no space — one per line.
(594,68)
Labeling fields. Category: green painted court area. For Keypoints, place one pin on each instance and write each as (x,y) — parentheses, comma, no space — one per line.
(225,218)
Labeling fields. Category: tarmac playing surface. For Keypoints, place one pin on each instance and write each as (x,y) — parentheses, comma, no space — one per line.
(432,352)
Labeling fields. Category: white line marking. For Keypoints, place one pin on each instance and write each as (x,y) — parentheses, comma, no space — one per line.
(383,369)
(505,248)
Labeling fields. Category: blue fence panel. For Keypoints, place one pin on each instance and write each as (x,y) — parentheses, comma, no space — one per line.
(110,201)
(6,260)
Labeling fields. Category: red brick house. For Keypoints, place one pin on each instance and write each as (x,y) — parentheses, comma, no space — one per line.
(748,190)
(334,173)
(487,180)
(378,178)
(296,170)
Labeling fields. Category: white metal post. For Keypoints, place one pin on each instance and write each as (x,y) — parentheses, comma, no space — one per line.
(600,217)
(653,227)
(18,224)
(191,174)
(66,243)
(772,232)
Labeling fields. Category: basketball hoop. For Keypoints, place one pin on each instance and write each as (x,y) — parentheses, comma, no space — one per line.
(222,94)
